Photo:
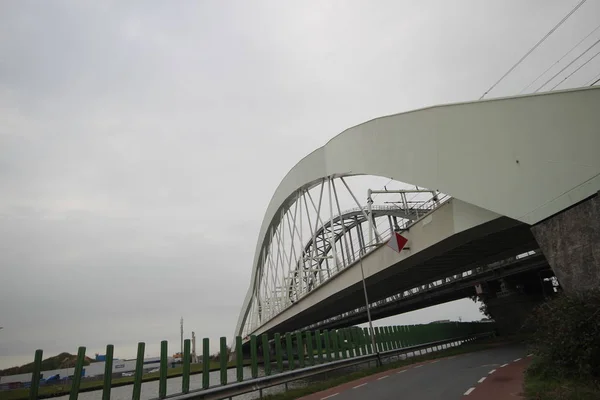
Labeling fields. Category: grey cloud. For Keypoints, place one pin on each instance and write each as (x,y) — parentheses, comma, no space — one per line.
(140,142)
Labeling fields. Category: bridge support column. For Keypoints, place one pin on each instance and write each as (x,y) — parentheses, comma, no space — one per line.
(510,300)
(571,243)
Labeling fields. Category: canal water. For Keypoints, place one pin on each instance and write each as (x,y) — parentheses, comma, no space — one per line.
(150,389)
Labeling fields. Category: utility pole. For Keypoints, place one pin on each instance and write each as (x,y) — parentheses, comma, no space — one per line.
(194,356)
(181,337)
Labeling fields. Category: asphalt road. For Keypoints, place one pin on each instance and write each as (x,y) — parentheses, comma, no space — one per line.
(445,379)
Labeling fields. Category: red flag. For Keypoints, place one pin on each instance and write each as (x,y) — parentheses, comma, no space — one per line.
(397,242)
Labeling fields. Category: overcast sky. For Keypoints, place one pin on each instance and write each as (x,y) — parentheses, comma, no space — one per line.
(140,142)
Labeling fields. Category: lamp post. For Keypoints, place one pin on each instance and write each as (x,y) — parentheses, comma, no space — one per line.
(364,284)
(372,331)
(373,229)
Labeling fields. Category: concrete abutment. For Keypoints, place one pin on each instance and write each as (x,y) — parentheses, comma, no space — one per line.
(570,241)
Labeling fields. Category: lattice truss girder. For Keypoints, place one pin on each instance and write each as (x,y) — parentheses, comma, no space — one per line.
(313,239)
(426,287)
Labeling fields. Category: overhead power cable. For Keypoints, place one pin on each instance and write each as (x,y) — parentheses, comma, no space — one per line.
(568,65)
(534,47)
(559,60)
(581,66)
(384,186)
(597,80)
(594,79)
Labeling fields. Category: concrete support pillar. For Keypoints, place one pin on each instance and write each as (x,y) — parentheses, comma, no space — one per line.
(571,243)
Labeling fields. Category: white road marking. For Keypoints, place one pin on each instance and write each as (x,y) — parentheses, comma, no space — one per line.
(357,386)
(529,355)
(503,365)
(399,372)
(383,377)
(468,392)
(433,362)
(330,396)
(492,371)
(518,359)
(482,379)
(419,366)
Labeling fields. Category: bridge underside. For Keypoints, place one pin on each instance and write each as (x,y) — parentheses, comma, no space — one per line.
(487,243)
(454,291)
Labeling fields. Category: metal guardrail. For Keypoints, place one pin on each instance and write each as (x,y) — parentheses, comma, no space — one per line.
(259,384)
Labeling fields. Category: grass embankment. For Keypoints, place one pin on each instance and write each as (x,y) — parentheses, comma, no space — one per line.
(60,361)
(566,348)
(539,388)
(87,386)
(318,387)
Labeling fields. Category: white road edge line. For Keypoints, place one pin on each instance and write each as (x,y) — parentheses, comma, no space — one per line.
(419,366)
(399,372)
(503,365)
(468,392)
(361,385)
(433,362)
(518,359)
(491,372)
(482,379)
(383,377)
(330,396)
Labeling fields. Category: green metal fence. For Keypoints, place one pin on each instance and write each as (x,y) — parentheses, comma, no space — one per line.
(276,354)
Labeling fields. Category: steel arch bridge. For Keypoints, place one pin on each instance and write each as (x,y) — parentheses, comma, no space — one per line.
(330,248)
(309,269)
(520,159)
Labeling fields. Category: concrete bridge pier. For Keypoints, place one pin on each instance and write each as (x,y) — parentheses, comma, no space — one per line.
(570,241)
(511,300)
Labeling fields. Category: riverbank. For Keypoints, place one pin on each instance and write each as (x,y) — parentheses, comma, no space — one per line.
(88,386)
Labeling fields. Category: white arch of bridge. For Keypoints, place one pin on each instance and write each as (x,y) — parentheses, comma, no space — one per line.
(526,157)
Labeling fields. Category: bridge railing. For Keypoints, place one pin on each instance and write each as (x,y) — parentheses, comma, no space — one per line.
(277,355)
(422,209)
(419,208)
(380,239)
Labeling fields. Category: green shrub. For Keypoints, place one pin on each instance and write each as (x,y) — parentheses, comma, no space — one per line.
(567,338)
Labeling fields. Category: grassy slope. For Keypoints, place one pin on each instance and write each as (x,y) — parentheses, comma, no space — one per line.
(60,361)
(538,388)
